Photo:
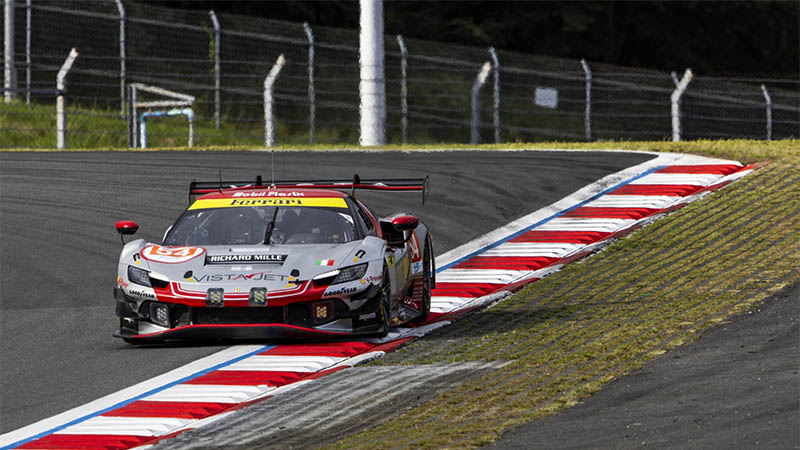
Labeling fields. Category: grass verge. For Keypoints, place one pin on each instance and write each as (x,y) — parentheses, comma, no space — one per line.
(607,315)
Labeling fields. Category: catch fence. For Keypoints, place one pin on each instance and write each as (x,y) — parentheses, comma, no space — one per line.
(221,60)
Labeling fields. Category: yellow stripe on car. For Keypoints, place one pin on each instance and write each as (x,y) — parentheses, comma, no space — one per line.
(330,202)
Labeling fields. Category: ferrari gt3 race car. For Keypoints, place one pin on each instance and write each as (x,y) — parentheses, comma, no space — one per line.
(294,259)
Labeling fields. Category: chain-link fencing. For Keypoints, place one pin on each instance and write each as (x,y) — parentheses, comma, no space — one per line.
(221,60)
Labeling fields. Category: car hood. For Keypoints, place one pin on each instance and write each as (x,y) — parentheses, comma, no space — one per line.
(248,264)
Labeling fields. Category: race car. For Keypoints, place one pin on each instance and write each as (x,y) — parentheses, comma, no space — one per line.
(292,259)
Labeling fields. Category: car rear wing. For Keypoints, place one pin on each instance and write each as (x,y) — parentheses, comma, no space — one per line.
(198,188)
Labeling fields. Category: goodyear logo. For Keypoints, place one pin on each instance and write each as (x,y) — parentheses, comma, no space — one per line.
(329,202)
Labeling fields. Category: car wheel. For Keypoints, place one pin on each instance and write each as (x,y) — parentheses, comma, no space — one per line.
(427,283)
(384,317)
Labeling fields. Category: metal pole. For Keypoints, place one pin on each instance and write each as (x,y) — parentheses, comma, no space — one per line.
(143,130)
(215,23)
(496,106)
(403,89)
(768,101)
(587,118)
(675,79)
(269,116)
(61,102)
(312,96)
(190,114)
(372,84)
(133,132)
(9,75)
(676,109)
(122,74)
(480,80)
(28,23)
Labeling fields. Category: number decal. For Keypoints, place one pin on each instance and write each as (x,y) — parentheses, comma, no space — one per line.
(413,245)
(171,255)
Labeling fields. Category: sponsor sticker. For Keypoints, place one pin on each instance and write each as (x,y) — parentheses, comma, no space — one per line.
(416,267)
(141,293)
(171,255)
(269,194)
(251,258)
(325,262)
(257,276)
(341,291)
(329,202)
(391,260)
(359,254)
(413,245)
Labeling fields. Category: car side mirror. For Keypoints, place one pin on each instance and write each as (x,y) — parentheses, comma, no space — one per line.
(405,223)
(126,227)
(394,231)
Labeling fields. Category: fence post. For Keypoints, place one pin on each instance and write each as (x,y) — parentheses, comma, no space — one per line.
(61,102)
(9,75)
(122,58)
(587,118)
(215,23)
(403,90)
(312,96)
(480,80)
(269,117)
(133,124)
(496,106)
(768,101)
(28,20)
(676,109)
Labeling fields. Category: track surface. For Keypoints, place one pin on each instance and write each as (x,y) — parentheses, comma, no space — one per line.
(58,248)
(736,387)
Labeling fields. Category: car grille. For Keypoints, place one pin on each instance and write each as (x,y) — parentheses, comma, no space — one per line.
(243,315)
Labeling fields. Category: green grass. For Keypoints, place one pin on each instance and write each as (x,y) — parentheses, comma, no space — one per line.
(607,315)
(32,128)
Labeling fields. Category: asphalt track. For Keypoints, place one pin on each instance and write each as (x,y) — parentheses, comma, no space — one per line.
(735,387)
(58,247)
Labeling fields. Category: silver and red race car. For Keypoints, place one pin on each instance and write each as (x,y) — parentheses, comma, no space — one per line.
(294,259)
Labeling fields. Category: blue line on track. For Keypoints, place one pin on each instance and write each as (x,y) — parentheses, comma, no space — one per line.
(530,227)
(138,397)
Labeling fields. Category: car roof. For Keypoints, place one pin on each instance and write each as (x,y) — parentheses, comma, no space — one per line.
(276,192)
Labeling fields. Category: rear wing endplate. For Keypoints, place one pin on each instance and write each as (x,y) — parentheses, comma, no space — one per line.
(198,188)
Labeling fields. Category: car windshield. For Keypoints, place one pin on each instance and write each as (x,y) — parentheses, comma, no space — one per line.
(248,225)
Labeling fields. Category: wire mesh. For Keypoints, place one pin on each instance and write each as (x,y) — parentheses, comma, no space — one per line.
(541,98)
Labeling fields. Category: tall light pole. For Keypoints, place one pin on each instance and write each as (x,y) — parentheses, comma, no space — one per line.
(372,86)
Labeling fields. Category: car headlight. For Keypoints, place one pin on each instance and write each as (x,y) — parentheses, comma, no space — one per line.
(350,273)
(139,276)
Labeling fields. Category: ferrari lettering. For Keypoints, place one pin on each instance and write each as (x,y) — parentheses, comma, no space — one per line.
(324,202)
(268,202)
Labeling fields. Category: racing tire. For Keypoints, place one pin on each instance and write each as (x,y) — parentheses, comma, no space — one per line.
(384,316)
(427,283)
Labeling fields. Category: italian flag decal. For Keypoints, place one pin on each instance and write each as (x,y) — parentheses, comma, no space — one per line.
(325,262)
